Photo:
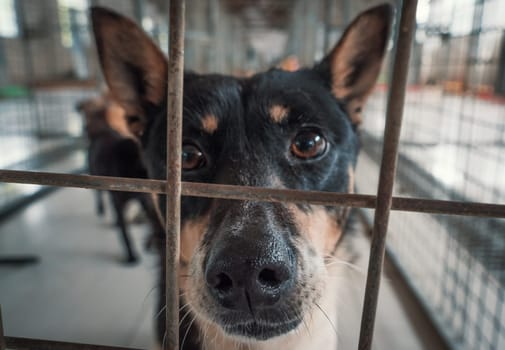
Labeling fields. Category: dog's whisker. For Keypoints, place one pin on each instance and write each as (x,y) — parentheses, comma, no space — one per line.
(149,294)
(181,307)
(158,314)
(300,317)
(164,340)
(326,316)
(184,317)
(352,266)
(203,334)
(187,332)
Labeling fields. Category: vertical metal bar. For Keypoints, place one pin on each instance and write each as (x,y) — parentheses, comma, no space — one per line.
(30,74)
(388,169)
(174,145)
(2,337)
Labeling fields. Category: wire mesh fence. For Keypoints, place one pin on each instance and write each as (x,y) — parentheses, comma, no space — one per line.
(451,148)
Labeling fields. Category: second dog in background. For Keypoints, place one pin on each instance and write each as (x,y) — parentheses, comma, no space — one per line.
(114,151)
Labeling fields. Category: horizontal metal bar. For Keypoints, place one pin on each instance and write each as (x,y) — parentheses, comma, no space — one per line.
(83,181)
(194,189)
(15,343)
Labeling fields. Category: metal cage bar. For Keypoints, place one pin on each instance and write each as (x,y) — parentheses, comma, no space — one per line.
(2,337)
(392,130)
(422,205)
(174,188)
(41,344)
(173,197)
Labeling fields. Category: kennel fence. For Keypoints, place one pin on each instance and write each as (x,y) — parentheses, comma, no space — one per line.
(40,127)
(451,148)
(174,188)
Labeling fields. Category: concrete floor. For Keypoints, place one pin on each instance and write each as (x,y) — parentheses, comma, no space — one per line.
(80,292)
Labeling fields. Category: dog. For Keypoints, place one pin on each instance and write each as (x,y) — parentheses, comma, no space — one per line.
(253,275)
(114,151)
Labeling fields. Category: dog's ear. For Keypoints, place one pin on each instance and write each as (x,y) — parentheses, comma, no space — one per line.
(134,67)
(355,62)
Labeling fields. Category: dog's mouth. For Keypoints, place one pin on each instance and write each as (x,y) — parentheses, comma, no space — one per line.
(260,329)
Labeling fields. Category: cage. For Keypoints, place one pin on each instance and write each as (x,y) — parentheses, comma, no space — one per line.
(449,154)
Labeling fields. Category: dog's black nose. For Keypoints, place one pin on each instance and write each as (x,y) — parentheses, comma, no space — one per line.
(249,275)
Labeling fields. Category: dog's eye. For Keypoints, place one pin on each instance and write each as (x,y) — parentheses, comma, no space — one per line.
(308,144)
(192,157)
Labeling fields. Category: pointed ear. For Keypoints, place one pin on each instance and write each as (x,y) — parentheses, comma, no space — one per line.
(355,62)
(134,67)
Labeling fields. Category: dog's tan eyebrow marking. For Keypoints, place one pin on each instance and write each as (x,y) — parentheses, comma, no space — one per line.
(209,123)
(278,113)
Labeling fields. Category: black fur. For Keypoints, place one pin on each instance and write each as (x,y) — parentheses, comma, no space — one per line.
(111,154)
(248,148)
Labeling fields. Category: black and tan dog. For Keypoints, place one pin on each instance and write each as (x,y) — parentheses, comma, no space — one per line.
(114,151)
(254,275)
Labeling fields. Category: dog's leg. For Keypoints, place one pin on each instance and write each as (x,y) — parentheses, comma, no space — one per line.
(119,205)
(100,207)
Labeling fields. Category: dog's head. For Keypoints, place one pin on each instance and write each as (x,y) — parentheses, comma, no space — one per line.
(102,113)
(253,269)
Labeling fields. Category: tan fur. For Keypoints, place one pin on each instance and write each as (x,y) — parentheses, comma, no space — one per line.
(114,114)
(117,120)
(355,43)
(191,234)
(278,113)
(210,123)
(290,64)
(321,227)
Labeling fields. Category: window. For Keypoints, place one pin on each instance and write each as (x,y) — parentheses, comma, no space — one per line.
(8,19)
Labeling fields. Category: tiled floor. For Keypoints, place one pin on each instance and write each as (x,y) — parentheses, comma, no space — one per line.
(80,292)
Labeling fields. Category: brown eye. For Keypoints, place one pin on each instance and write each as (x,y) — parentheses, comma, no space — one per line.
(308,144)
(192,157)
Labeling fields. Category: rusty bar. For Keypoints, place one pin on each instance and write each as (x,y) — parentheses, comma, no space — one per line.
(173,197)
(83,181)
(422,205)
(15,343)
(388,169)
(2,336)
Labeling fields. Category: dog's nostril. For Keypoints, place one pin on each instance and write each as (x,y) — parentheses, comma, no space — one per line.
(270,278)
(223,282)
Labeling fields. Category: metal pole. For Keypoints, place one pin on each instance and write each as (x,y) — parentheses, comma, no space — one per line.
(2,336)
(174,146)
(194,189)
(15,343)
(40,344)
(30,74)
(388,170)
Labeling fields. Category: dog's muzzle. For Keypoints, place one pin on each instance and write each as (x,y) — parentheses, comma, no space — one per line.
(251,274)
